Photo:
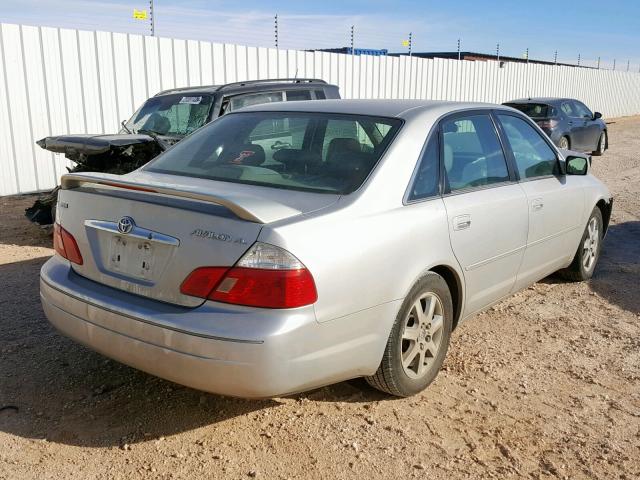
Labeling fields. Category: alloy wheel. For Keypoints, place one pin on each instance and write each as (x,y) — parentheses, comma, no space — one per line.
(590,245)
(564,143)
(422,335)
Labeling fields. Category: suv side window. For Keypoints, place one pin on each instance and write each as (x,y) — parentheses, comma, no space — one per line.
(533,156)
(240,101)
(296,95)
(472,152)
(425,183)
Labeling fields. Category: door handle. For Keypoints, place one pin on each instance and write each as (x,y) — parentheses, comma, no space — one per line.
(461,222)
(537,204)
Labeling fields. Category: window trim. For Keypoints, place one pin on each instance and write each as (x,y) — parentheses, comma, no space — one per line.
(435,130)
(509,148)
(580,104)
(445,189)
(400,122)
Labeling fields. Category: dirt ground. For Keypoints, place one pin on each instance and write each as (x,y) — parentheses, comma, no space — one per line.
(544,385)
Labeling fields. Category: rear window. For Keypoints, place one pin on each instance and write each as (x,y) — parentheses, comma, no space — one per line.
(317,152)
(533,110)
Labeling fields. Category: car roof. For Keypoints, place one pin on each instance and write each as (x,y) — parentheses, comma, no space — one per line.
(253,86)
(550,100)
(380,108)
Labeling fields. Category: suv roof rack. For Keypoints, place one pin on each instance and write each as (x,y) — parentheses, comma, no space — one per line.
(270,80)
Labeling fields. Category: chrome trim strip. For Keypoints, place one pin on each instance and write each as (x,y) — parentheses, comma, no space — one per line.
(549,237)
(516,250)
(493,259)
(137,232)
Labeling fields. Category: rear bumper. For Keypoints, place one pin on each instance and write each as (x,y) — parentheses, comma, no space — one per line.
(224,349)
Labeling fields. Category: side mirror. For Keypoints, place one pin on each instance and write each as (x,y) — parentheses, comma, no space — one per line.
(576,165)
(597,115)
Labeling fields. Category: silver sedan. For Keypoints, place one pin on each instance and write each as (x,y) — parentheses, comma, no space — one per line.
(288,246)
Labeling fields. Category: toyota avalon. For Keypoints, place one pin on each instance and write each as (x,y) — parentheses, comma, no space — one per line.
(288,246)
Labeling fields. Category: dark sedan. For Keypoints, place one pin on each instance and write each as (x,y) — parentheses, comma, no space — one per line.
(567,122)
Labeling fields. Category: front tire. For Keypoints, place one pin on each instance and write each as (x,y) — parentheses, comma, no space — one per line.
(588,253)
(602,145)
(419,339)
(564,143)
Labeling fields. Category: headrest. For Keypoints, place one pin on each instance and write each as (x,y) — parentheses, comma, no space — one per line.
(342,145)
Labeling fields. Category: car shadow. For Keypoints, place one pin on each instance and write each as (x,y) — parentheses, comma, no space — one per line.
(55,389)
(617,273)
(16,229)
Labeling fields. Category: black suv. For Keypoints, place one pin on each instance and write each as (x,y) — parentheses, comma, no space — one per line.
(164,120)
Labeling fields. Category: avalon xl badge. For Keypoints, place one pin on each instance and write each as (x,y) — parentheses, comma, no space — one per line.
(126,224)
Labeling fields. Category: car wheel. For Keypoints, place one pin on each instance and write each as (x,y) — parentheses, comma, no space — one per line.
(564,143)
(588,253)
(602,144)
(418,341)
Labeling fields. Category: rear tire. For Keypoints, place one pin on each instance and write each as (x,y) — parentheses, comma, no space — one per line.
(602,145)
(418,341)
(586,257)
(564,143)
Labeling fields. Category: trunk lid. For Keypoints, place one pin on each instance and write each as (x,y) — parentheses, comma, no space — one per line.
(144,233)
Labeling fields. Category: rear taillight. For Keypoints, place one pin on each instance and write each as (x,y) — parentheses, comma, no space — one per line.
(65,245)
(202,281)
(266,276)
(551,123)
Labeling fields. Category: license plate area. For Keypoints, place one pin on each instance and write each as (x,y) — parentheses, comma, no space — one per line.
(131,257)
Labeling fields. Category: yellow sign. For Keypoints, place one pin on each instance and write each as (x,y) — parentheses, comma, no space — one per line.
(405,43)
(139,14)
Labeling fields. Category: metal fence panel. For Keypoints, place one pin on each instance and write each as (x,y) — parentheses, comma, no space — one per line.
(58,81)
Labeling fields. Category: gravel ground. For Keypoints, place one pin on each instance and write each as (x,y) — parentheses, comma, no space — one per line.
(544,385)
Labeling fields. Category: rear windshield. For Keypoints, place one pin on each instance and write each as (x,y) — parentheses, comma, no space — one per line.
(533,110)
(319,152)
(171,115)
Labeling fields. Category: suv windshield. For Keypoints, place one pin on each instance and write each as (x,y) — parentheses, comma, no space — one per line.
(172,115)
(320,152)
(533,110)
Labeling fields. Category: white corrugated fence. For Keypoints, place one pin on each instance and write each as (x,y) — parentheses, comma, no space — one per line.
(57,81)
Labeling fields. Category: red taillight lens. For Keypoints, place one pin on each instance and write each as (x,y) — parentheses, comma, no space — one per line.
(202,281)
(266,276)
(547,123)
(57,240)
(266,288)
(66,245)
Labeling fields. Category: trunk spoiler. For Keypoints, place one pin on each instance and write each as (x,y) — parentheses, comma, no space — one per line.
(252,209)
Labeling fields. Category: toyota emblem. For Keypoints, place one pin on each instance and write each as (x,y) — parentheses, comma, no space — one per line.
(125,225)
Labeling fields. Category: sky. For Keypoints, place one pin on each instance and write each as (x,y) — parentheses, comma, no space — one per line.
(589,28)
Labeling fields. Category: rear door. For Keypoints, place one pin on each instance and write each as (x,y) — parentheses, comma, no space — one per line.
(555,203)
(486,208)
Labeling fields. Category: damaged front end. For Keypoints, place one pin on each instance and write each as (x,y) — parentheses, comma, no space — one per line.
(117,154)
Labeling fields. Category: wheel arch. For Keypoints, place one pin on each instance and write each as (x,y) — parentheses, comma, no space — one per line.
(605,209)
(454,282)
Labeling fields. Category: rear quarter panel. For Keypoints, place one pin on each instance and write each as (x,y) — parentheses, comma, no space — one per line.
(363,259)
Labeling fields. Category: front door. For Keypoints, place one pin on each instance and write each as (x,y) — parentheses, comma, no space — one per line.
(577,125)
(486,210)
(555,203)
(592,127)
